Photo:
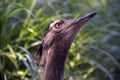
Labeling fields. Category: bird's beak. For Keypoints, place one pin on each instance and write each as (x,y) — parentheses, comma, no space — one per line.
(84,19)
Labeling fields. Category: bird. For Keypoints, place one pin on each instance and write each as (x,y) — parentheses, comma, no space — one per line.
(55,46)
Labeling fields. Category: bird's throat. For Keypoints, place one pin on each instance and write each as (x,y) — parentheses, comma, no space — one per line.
(54,68)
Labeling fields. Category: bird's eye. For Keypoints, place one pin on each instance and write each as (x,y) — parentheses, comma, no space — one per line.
(58,25)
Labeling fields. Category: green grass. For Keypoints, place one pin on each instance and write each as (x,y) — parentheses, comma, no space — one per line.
(93,56)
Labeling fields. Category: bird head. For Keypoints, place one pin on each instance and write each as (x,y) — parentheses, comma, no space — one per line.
(59,37)
(67,29)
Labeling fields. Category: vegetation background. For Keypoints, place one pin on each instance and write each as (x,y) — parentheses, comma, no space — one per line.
(95,55)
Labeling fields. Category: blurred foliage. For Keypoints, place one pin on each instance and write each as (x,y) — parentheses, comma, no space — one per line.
(95,55)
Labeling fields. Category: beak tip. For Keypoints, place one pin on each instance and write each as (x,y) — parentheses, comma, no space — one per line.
(92,14)
(86,17)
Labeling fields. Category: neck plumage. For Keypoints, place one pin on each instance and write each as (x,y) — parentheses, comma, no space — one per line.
(54,68)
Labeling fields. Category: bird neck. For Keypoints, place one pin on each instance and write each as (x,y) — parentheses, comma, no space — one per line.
(54,68)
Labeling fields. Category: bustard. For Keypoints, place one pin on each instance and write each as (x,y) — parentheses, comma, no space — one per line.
(54,48)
